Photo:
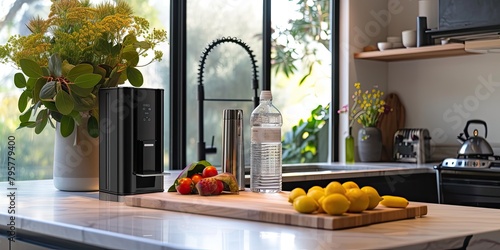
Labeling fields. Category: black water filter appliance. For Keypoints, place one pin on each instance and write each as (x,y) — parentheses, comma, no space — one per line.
(131,142)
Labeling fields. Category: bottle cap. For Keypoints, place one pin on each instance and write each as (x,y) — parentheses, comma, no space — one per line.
(266,95)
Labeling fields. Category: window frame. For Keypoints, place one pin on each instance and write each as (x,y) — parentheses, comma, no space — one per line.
(177,119)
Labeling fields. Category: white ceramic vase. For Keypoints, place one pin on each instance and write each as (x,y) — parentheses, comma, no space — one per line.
(76,160)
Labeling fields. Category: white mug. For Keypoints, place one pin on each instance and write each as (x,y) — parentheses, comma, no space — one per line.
(409,38)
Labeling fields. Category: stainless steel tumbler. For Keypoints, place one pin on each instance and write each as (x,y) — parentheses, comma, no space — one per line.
(233,157)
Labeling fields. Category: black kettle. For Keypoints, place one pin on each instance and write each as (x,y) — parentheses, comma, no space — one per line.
(474,145)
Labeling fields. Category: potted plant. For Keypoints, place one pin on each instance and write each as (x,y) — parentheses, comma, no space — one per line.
(367,108)
(78,49)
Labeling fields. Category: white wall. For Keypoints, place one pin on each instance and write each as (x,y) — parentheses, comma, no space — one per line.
(439,94)
(363,22)
(443,94)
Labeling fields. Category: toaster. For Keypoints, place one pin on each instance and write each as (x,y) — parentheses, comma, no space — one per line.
(412,145)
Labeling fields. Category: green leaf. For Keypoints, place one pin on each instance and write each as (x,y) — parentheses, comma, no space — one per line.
(64,102)
(55,65)
(129,39)
(77,117)
(93,127)
(79,91)
(88,80)
(45,71)
(48,91)
(19,80)
(101,70)
(41,121)
(24,117)
(78,70)
(115,50)
(37,89)
(36,106)
(114,78)
(22,103)
(104,47)
(27,124)
(143,45)
(30,84)
(67,125)
(56,115)
(135,77)
(66,67)
(51,123)
(50,105)
(84,103)
(30,68)
(131,55)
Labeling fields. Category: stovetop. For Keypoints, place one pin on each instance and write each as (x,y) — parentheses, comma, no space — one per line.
(472,162)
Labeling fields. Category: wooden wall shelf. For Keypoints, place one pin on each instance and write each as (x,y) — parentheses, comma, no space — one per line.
(434,51)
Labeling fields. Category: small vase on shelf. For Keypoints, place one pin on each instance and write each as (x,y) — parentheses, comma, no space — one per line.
(349,147)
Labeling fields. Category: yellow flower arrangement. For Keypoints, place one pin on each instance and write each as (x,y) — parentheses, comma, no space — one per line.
(70,55)
(367,107)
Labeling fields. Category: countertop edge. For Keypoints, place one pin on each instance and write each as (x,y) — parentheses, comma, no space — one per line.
(86,235)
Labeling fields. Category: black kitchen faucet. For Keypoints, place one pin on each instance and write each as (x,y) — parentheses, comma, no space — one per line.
(202,149)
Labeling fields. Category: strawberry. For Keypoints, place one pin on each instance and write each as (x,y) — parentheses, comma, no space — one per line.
(207,186)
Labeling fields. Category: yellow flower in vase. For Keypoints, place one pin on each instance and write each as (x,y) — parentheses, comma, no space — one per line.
(367,108)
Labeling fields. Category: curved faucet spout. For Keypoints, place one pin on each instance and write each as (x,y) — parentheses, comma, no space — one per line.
(202,150)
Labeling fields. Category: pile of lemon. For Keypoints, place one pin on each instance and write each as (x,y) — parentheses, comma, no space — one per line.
(337,198)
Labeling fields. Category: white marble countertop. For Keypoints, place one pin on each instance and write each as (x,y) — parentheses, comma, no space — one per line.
(81,217)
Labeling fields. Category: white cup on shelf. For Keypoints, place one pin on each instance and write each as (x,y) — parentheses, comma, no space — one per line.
(409,38)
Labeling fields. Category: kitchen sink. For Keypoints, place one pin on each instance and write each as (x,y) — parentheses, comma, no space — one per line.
(328,168)
(334,167)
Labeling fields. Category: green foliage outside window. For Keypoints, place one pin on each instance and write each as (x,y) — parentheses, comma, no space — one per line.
(301,144)
(292,44)
(291,47)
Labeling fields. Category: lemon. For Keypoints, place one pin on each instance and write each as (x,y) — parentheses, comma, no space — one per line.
(315,188)
(372,195)
(349,184)
(394,201)
(320,204)
(296,192)
(334,187)
(359,200)
(316,194)
(335,204)
(305,204)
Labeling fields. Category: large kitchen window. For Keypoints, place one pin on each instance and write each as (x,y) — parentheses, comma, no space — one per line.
(300,78)
(300,86)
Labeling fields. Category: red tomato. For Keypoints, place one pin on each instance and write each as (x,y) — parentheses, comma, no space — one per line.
(196,178)
(184,185)
(220,187)
(209,171)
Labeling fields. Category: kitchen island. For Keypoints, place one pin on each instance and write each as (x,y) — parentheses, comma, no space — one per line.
(46,216)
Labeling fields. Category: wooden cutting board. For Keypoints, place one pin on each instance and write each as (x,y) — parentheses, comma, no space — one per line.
(272,208)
